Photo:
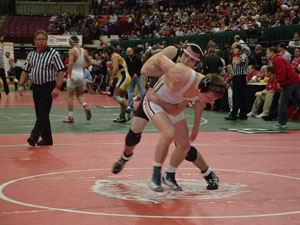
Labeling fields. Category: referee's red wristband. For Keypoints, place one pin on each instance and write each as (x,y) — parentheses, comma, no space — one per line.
(58,86)
(236,54)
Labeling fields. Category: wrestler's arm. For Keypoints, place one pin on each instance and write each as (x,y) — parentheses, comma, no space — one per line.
(87,59)
(115,65)
(152,68)
(172,109)
(71,62)
(115,69)
(198,110)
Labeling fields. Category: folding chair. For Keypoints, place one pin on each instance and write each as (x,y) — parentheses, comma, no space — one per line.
(95,86)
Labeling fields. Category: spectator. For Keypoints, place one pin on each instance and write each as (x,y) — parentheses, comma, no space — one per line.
(294,17)
(212,43)
(283,52)
(228,83)
(289,82)
(263,73)
(238,40)
(134,65)
(265,21)
(251,59)
(296,60)
(265,97)
(88,79)
(254,24)
(113,19)
(233,26)
(295,42)
(252,74)
(103,72)
(258,54)
(212,63)
(2,70)
(96,65)
(11,72)
(18,68)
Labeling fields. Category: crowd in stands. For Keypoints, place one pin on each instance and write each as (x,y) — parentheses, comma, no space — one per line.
(259,69)
(135,20)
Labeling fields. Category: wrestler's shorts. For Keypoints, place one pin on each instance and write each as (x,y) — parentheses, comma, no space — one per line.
(124,80)
(150,109)
(78,78)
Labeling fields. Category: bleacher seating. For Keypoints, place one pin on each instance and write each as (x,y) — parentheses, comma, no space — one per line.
(20,29)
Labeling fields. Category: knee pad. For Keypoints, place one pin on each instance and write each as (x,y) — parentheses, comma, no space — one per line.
(132,138)
(118,99)
(192,154)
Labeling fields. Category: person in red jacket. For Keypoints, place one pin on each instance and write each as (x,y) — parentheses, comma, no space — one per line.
(289,82)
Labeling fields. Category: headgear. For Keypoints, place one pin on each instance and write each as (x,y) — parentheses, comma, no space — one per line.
(73,40)
(214,83)
(195,48)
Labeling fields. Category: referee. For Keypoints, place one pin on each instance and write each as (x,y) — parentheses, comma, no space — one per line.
(239,82)
(47,72)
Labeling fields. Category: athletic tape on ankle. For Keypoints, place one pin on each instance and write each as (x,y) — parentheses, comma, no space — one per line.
(207,172)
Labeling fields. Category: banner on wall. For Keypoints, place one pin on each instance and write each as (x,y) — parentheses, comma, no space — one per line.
(62,40)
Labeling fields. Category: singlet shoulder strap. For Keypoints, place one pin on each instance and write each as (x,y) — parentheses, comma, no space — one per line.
(190,82)
(177,55)
(82,51)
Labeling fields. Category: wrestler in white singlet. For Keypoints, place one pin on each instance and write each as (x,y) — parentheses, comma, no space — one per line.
(77,71)
(164,93)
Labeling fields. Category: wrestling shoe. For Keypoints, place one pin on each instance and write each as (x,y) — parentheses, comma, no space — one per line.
(87,112)
(155,183)
(130,112)
(212,181)
(169,180)
(68,120)
(118,166)
(120,120)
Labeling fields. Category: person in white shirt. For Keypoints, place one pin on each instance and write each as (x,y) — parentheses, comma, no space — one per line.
(295,42)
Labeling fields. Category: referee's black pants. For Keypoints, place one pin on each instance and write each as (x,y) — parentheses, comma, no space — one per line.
(239,95)
(3,77)
(42,103)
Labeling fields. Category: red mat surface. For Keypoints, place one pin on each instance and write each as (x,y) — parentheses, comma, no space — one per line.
(71,182)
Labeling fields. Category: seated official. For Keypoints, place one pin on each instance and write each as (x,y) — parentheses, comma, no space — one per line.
(252,74)
(265,97)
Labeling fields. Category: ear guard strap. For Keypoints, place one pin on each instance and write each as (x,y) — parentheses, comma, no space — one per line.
(204,85)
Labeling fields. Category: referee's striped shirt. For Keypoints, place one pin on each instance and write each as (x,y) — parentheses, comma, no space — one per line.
(43,66)
(240,69)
